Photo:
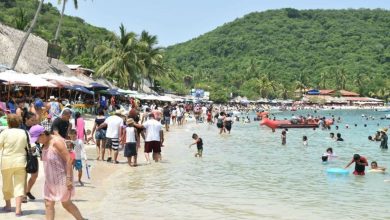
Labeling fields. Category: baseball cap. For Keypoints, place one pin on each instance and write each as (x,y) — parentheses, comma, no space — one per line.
(38,103)
(35,131)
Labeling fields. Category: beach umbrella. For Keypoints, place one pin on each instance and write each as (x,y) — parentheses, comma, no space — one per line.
(97,86)
(110,92)
(80,89)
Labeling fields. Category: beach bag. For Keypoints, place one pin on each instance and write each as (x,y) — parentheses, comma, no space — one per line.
(32,161)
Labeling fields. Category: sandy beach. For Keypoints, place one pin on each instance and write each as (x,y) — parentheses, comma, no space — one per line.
(90,197)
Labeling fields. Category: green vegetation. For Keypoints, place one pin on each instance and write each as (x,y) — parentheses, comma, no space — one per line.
(268,54)
(128,59)
(273,53)
(77,39)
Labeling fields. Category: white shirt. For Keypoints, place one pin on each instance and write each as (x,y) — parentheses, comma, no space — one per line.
(114,124)
(174,112)
(130,135)
(153,129)
(79,150)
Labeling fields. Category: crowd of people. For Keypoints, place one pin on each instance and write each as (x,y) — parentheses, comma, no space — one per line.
(57,134)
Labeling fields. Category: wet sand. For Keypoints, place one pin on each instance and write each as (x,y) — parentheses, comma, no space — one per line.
(90,198)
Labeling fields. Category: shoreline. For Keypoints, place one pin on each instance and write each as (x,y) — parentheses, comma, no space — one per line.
(91,197)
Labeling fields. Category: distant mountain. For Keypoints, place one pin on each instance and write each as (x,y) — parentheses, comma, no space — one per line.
(316,48)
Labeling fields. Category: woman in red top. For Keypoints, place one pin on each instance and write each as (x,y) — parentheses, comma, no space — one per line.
(360,164)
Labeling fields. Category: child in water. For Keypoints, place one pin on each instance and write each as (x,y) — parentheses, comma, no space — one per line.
(199,145)
(328,155)
(284,137)
(304,139)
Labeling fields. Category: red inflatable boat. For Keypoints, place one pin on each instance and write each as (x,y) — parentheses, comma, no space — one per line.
(287,124)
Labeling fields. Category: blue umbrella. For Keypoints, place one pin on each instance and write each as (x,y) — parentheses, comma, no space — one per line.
(97,86)
(80,89)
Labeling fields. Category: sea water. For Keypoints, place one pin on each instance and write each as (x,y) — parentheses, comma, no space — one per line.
(250,175)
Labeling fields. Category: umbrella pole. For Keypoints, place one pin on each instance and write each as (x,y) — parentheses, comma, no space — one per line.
(30,91)
(9,90)
(47,91)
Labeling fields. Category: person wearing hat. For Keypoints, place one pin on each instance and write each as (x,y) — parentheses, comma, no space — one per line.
(13,142)
(58,172)
(54,108)
(113,125)
(130,139)
(360,164)
(383,139)
(37,109)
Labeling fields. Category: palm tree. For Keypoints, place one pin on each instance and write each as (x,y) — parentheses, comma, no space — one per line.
(341,78)
(121,60)
(151,56)
(361,80)
(21,20)
(75,2)
(323,78)
(265,86)
(26,35)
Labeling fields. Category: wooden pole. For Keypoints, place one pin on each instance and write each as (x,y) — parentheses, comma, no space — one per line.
(9,90)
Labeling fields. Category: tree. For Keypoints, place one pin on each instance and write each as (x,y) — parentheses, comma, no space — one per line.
(361,81)
(121,61)
(75,2)
(21,20)
(323,79)
(151,56)
(26,35)
(341,78)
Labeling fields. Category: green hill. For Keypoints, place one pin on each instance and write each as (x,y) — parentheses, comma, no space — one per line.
(77,38)
(273,53)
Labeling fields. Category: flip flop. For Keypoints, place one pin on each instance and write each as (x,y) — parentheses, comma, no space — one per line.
(6,209)
(19,214)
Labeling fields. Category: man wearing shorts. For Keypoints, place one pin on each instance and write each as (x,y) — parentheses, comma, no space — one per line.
(154,138)
(113,124)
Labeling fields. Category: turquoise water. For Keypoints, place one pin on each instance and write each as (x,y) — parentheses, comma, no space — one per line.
(250,175)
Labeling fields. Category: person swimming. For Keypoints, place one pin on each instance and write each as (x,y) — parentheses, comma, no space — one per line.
(376,168)
(304,139)
(328,155)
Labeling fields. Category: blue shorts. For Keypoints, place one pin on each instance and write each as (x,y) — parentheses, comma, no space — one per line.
(78,165)
(167,120)
(100,134)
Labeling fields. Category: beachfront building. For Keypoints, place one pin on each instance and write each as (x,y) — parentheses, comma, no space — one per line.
(338,97)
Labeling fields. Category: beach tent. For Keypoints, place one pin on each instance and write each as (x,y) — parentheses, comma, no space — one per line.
(56,79)
(36,81)
(127,91)
(12,77)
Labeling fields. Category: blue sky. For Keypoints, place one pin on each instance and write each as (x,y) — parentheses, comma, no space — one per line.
(176,21)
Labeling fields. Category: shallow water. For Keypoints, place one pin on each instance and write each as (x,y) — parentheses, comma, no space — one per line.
(250,175)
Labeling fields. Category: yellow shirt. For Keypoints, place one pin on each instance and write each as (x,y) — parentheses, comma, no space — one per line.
(13,142)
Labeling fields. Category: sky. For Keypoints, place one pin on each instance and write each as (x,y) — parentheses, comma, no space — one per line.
(177,21)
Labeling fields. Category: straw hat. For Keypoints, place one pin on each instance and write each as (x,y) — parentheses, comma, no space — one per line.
(130,121)
(119,112)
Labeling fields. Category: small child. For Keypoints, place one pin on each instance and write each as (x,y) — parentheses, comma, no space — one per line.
(284,137)
(89,137)
(199,144)
(328,155)
(79,150)
(304,139)
(130,139)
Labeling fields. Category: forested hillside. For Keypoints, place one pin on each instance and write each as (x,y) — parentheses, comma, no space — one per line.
(77,38)
(275,52)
